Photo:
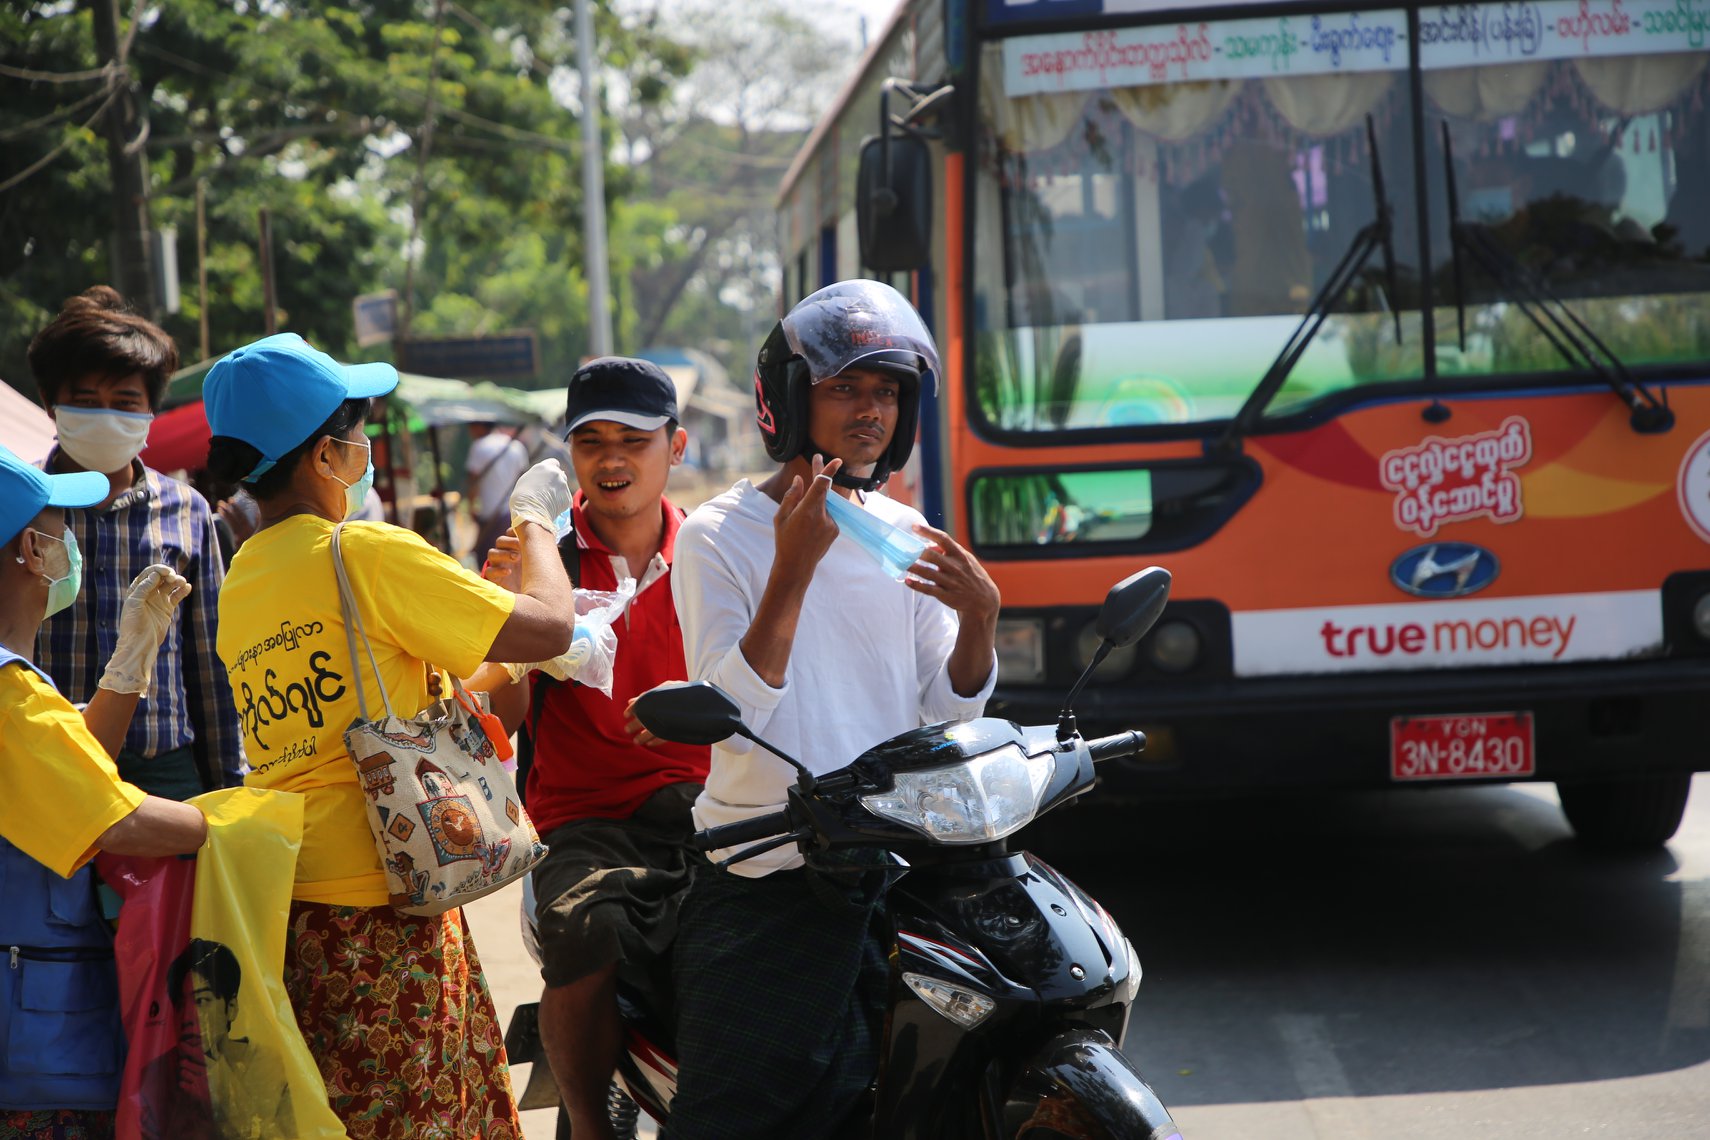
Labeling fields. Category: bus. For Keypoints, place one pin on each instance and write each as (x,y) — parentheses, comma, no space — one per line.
(1386,328)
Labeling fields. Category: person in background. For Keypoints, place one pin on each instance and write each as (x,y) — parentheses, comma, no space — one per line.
(102,371)
(62,1051)
(614,812)
(496,458)
(394,1007)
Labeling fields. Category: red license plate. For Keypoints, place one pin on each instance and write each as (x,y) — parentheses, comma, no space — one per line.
(1476,746)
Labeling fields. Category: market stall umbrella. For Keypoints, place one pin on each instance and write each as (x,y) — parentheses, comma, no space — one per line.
(25,429)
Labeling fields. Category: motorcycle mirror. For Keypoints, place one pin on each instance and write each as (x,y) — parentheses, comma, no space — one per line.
(1129,610)
(1132,605)
(689,712)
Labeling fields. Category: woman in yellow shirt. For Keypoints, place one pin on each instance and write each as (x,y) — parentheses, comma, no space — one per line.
(394,1007)
(61,801)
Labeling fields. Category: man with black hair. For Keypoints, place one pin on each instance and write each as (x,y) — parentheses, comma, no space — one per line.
(102,371)
(613,810)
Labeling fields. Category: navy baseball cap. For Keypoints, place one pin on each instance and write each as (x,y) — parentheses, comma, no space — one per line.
(24,491)
(635,393)
(274,393)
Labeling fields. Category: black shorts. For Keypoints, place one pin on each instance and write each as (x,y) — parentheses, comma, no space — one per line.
(609,890)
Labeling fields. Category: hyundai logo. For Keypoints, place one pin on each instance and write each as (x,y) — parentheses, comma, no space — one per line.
(1444,570)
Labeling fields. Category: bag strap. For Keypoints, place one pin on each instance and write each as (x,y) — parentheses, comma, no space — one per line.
(352,628)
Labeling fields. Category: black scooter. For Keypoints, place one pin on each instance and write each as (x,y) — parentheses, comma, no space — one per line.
(1010,986)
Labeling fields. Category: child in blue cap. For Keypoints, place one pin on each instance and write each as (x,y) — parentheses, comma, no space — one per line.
(63,802)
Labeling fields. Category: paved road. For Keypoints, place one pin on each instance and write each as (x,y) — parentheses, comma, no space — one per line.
(1390,966)
(1386,966)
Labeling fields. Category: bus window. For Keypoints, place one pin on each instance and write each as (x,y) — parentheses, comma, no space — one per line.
(1148,237)
(1590,172)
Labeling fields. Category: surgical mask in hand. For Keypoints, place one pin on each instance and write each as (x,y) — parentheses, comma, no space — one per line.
(100,439)
(893,548)
(62,591)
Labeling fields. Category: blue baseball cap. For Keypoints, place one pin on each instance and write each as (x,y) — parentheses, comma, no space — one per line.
(24,491)
(274,393)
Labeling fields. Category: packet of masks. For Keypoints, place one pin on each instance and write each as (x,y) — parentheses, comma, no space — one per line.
(893,548)
(593,647)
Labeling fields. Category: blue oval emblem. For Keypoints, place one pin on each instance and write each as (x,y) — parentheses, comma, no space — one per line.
(1444,570)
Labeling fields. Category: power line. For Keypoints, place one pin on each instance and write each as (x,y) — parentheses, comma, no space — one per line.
(55,116)
(41,162)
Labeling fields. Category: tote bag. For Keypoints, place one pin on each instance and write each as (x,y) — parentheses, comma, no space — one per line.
(445,814)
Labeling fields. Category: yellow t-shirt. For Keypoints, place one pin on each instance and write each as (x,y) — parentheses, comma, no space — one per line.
(283,643)
(61,788)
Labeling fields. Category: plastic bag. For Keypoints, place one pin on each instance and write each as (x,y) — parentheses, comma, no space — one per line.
(593,648)
(215,1051)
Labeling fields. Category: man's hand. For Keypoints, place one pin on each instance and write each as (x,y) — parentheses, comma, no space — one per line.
(955,577)
(638,735)
(504,563)
(802,530)
(145,617)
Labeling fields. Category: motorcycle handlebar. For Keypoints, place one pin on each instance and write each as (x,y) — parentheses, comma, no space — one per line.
(1116,747)
(742,831)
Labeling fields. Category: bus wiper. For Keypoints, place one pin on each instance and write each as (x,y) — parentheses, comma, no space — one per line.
(1560,325)
(1373,237)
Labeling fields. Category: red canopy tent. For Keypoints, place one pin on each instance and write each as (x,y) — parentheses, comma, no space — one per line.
(178,439)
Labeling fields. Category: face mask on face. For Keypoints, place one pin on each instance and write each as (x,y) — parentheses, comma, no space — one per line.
(62,590)
(356,494)
(101,439)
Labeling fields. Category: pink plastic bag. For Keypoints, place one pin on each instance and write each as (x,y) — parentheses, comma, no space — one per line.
(164,1092)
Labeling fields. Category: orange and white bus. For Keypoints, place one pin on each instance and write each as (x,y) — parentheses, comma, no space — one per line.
(1385,327)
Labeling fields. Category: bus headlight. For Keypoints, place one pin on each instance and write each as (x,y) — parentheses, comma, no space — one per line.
(1021,650)
(1174,647)
(1701,616)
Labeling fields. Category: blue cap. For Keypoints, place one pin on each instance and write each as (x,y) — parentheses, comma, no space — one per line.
(24,491)
(275,393)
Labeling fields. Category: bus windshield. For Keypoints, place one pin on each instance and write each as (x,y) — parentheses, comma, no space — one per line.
(1157,207)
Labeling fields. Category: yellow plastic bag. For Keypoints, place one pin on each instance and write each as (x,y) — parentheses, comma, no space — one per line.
(215,1049)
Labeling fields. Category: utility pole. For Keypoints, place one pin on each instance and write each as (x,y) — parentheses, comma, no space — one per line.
(593,191)
(127,157)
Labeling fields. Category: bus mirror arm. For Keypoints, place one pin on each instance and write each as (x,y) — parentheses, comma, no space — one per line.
(926,101)
(1567,333)
(1372,238)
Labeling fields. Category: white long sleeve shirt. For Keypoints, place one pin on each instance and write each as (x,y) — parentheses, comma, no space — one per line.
(870,658)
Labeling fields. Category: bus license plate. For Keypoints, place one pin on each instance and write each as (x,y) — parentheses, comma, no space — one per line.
(1492,746)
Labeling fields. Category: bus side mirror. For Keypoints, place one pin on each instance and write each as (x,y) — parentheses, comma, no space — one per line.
(893,203)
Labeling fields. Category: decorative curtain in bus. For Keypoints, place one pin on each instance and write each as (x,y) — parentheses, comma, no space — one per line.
(1157,206)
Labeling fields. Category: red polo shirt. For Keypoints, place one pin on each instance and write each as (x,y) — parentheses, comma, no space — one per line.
(584,763)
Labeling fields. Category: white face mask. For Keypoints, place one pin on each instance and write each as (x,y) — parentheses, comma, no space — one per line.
(100,439)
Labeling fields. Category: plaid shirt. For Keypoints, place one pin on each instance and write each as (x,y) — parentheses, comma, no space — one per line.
(189,702)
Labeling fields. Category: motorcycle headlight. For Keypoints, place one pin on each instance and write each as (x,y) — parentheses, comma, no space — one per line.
(978,800)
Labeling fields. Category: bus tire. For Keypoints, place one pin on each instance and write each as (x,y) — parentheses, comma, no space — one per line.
(1626,814)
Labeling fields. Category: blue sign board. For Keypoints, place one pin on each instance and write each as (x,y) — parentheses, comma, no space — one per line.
(507,356)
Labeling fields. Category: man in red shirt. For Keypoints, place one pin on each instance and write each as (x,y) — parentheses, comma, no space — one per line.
(613,804)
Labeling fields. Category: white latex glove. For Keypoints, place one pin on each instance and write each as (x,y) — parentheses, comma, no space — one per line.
(542,495)
(144,620)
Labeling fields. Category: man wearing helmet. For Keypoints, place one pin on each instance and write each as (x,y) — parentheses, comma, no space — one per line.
(780,973)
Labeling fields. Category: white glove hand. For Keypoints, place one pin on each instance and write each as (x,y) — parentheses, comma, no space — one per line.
(144,619)
(542,495)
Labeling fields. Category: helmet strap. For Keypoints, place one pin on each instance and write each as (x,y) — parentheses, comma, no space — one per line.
(864,484)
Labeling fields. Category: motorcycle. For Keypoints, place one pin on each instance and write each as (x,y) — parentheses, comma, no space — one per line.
(1011,987)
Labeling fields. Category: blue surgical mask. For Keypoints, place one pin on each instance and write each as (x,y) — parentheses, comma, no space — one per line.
(893,548)
(62,591)
(356,494)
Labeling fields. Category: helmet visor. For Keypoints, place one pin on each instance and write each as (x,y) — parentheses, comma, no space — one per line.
(834,329)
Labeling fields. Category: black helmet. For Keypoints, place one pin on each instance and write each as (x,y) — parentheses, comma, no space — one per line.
(864,323)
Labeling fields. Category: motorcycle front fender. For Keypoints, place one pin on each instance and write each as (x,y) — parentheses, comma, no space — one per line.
(1079,1086)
